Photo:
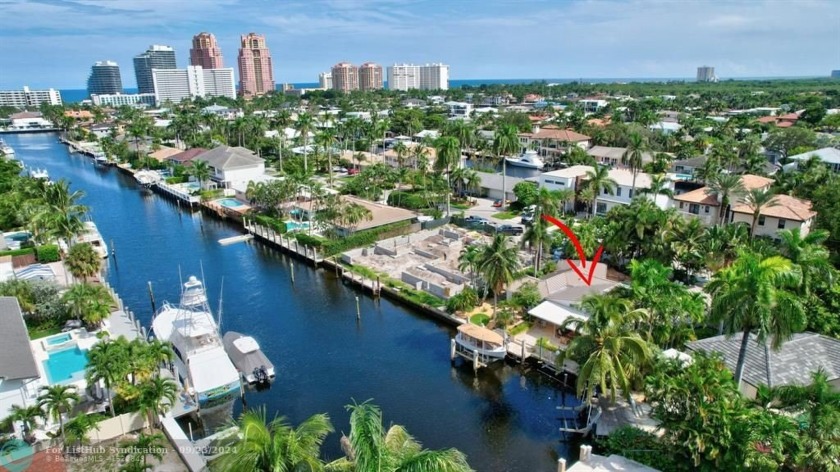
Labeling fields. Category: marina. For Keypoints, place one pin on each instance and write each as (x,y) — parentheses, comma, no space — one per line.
(502,416)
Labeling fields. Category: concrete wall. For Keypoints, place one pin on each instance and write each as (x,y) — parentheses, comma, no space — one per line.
(118,426)
(450,276)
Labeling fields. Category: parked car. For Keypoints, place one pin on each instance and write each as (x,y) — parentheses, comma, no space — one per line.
(511,229)
(339,169)
(498,203)
(527,219)
(477,220)
(353,171)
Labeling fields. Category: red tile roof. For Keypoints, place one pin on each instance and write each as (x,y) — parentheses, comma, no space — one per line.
(787,207)
(187,155)
(552,132)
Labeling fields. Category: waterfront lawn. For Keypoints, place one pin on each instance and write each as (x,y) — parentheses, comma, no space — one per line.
(519,328)
(505,215)
(480,319)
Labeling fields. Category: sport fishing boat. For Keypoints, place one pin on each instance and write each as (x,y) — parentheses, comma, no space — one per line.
(529,159)
(202,364)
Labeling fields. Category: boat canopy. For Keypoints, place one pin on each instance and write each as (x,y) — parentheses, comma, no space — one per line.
(246,344)
(481,334)
(211,369)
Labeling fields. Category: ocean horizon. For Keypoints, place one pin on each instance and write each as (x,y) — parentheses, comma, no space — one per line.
(77,95)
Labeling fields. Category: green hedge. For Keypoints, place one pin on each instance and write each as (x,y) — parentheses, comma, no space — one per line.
(176,180)
(47,253)
(264,220)
(18,252)
(362,238)
(409,200)
(307,240)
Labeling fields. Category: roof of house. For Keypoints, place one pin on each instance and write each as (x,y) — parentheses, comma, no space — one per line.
(187,155)
(25,114)
(614,153)
(552,132)
(80,114)
(792,364)
(701,196)
(787,207)
(382,214)
(226,157)
(17,361)
(697,161)
(613,463)
(751,182)
(828,155)
(164,152)
(624,178)
(570,172)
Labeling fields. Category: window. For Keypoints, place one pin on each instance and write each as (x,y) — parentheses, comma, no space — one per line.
(631,193)
(682,205)
(694,209)
(706,209)
(781,223)
(618,191)
(601,208)
(761,220)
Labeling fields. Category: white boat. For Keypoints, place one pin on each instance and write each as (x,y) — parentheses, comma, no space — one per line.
(92,236)
(147,178)
(488,344)
(99,157)
(39,173)
(248,358)
(529,159)
(202,364)
(6,149)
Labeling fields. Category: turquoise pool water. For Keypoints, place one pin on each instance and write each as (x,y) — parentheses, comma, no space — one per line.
(66,365)
(230,203)
(192,186)
(294,225)
(60,339)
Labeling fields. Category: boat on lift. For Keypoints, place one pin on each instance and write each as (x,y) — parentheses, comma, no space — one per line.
(528,159)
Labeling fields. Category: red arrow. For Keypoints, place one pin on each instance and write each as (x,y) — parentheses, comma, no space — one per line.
(586,278)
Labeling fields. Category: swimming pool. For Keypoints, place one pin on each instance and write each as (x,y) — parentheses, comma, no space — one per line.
(66,365)
(294,225)
(59,339)
(230,203)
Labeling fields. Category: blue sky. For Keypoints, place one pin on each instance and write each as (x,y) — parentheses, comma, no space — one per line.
(52,43)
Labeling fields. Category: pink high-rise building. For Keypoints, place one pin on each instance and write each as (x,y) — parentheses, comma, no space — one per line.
(256,76)
(345,77)
(370,76)
(205,52)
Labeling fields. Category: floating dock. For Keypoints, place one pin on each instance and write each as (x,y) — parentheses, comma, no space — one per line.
(236,239)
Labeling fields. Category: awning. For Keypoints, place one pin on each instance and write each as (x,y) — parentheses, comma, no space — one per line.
(481,334)
(35,272)
(555,314)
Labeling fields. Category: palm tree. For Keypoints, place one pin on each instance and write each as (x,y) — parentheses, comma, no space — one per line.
(658,186)
(613,353)
(505,142)
(757,200)
(400,149)
(326,139)
(78,429)
(536,237)
(304,125)
(372,448)
(599,180)
(752,295)
(633,156)
(354,213)
(157,395)
(107,362)
(56,400)
(88,302)
(820,403)
(497,265)
(448,154)
(276,445)
(158,352)
(808,253)
(61,214)
(28,416)
(726,187)
(147,445)
(200,170)
(468,261)
(82,261)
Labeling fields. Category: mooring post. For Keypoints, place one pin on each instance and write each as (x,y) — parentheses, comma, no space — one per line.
(292,271)
(475,361)
(452,349)
(152,297)
(522,359)
(358,310)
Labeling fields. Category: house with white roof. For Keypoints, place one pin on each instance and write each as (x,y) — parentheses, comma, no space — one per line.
(232,165)
(569,178)
(830,156)
(624,192)
(19,372)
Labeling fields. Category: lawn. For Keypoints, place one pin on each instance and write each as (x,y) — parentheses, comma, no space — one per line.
(480,319)
(43,329)
(505,215)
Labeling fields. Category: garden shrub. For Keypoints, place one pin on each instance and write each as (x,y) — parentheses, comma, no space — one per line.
(47,253)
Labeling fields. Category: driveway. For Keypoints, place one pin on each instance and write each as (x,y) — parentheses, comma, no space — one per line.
(484,208)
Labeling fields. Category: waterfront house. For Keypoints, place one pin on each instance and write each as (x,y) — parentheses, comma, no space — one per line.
(184,157)
(230,165)
(409,160)
(787,213)
(491,185)
(830,156)
(103,130)
(79,115)
(701,204)
(164,153)
(18,371)
(551,141)
(611,156)
(793,364)
(28,120)
(426,134)
(575,177)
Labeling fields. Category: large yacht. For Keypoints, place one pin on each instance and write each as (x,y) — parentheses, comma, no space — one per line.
(529,159)
(6,149)
(92,236)
(202,364)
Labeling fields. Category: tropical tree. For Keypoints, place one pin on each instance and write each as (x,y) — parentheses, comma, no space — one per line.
(537,238)
(28,416)
(157,395)
(90,303)
(505,143)
(200,170)
(372,448)
(598,180)
(757,200)
(448,155)
(497,265)
(633,156)
(658,186)
(726,187)
(147,445)
(276,445)
(808,253)
(611,353)
(158,352)
(82,261)
(106,362)
(78,428)
(468,261)
(753,295)
(56,401)
(61,215)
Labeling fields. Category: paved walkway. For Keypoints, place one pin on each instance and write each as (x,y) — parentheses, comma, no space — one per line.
(119,324)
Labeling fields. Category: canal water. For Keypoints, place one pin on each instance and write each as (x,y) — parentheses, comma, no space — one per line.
(503,420)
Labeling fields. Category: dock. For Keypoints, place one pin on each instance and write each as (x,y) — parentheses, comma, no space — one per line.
(287,244)
(177,193)
(236,239)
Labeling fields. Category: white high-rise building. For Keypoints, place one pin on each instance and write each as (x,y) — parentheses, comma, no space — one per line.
(403,77)
(434,77)
(706,74)
(27,98)
(325,80)
(175,85)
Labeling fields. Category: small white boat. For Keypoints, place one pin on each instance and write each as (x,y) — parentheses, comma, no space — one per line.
(100,158)
(92,236)
(529,159)
(39,173)
(248,358)
(488,344)
(6,149)
(147,178)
